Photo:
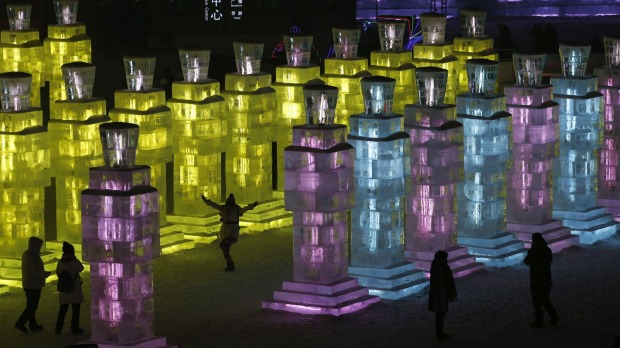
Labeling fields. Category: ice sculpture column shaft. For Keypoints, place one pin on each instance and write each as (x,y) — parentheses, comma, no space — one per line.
(436,168)
(120,238)
(575,170)
(319,191)
(535,145)
(382,154)
(482,194)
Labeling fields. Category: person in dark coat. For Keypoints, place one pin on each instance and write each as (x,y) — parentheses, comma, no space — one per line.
(70,264)
(442,291)
(230,212)
(539,258)
(33,281)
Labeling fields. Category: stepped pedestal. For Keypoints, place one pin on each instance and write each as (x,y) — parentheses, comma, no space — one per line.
(591,225)
(556,235)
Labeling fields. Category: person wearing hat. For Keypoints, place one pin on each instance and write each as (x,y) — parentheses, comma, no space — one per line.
(229,231)
(71,266)
(33,281)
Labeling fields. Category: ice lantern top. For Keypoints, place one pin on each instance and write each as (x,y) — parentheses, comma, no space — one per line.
(139,72)
(433,27)
(528,68)
(15,91)
(19,16)
(119,141)
(248,57)
(472,21)
(431,84)
(481,76)
(79,80)
(195,64)
(612,51)
(320,102)
(391,35)
(298,49)
(378,93)
(66,11)
(346,42)
(574,59)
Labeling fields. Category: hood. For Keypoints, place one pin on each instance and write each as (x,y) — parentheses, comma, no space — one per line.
(35,244)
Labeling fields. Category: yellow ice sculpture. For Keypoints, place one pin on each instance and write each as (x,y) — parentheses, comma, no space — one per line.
(22,50)
(67,42)
(199,132)
(145,106)
(394,62)
(75,146)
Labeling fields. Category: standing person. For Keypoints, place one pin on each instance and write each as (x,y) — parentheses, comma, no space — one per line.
(33,281)
(539,258)
(229,231)
(72,266)
(442,291)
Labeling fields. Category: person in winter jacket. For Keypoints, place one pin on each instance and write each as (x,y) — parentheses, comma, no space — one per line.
(442,291)
(33,281)
(72,266)
(539,258)
(230,213)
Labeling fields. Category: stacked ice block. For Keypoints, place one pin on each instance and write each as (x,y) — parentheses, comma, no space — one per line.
(434,51)
(319,190)
(535,144)
(436,168)
(21,49)
(487,146)
(381,163)
(575,170)
(120,212)
(609,159)
(394,62)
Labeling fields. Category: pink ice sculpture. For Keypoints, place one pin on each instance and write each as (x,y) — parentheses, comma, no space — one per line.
(318,189)
(120,237)
(436,168)
(535,141)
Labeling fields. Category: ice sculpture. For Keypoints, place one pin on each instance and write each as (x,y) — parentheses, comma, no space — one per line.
(395,62)
(609,85)
(382,169)
(76,147)
(344,71)
(319,191)
(145,106)
(120,238)
(67,42)
(535,144)
(434,51)
(21,49)
(487,146)
(575,170)
(436,168)
(473,44)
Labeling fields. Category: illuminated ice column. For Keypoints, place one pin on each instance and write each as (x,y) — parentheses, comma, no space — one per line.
(378,218)
(436,168)
(145,106)
(481,196)
(345,70)
(75,147)
(434,51)
(24,173)
(535,144)
(472,45)
(21,49)
(120,238)
(67,42)
(290,80)
(251,116)
(198,134)
(394,62)
(609,159)
(575,170)
(319,191)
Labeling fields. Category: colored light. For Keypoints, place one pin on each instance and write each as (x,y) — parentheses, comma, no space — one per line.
(574,59)
(66,12)
(139,72)
(431,83)
(248,56)
(79,80)
(473,21)
(298,49)
(433,27)
(528,68)
(391,35)
(320,101)
(19,16)
(346,42)
(195,64)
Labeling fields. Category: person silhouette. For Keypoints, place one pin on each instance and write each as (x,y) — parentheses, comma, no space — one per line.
(539,258)
(33,281)
(70,264)
(442,291)
(230,212)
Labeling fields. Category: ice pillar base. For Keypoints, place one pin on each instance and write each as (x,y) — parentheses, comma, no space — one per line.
(558,237)
(392,283)
(499,250)
(591,225)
